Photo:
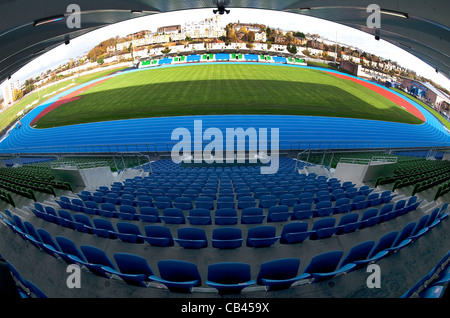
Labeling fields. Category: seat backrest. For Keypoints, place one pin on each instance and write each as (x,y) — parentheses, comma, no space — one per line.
(128,228)
(385,241)
(325,262)
(400,204)
(252,211)
(369,213)
(157,231)
(278,209)
(278,269)
(83,219)
(91,204)
(227,233)
(132,264)
(263,231)
(173,212)
(108,207)
(229,273)
(47,238)
(148,210)
(302,207)
(191,233)
(349,218)
(323,223)
(65,215)
(358,252)
(95,255)
(31,230)
(127,208)
(179,271)
(200,212)
(405,233)
(68,246)
(386,208)
(103,224)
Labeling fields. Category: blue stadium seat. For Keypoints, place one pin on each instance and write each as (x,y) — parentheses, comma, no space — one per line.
(343,205)
(280,274)
(128,232)
(325,266)
(205,202)
(302,211)
(158,235)
(348,223)
(178,276)
(32,235)
(227,237)
(323,228)
(294,232)
(148,214)
(262,236)
(267,201)
(68,248)
(226,202)
(360,202)
(49,244)
(370,218)
(403,237)
(108,210)
(229,277)
(173,216)
(132,269)
(380,250)
(103,228)
(192,237)
(246,202)
(323,208)
(279,213)
(357,253)
(199,216)
(288,199)
(162,202)
(226,216)
(96,260)
(420,228)
(252,216)
(127,212)
(82,223)
(182,203)
(65,219)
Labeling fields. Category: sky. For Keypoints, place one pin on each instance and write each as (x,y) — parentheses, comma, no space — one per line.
(274,19)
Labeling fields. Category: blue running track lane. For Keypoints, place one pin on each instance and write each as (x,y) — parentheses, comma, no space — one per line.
(156,132)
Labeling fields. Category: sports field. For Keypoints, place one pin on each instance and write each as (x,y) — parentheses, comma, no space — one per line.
(225,89)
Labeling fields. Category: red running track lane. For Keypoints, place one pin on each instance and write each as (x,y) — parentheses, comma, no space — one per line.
(386,93)
(66,99)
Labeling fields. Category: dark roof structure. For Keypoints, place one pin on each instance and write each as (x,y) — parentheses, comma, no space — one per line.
(30,28)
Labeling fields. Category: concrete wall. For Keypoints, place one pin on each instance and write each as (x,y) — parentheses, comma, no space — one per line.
(88,178)
(359,173)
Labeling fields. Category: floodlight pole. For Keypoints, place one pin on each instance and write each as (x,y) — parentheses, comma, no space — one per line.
(335,50)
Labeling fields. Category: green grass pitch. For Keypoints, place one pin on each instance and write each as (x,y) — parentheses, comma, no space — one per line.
(223,89)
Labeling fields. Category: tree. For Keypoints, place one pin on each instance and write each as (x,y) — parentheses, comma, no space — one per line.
(17,94)
(100,61)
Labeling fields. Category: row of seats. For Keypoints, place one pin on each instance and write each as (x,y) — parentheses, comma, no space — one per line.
(432,284)
(242,200)
(278,210)
(228,277)
(230,237)
(18,286)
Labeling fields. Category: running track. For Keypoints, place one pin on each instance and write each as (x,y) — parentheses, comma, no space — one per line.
(156,132)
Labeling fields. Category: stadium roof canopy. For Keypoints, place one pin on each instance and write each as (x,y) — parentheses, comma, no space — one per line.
(30,28)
